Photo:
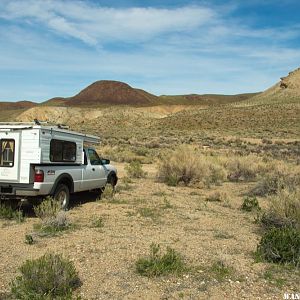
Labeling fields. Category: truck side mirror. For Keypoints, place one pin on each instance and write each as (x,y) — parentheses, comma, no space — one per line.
(105,161)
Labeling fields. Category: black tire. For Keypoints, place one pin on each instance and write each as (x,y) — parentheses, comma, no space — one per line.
(112,180)
(62,194)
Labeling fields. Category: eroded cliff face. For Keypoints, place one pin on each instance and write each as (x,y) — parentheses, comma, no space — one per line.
(292,81)
(285,91)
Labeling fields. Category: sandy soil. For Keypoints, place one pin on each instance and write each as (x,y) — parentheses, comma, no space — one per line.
(203,232)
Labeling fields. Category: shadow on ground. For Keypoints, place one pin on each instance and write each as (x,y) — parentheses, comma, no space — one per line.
(75,200)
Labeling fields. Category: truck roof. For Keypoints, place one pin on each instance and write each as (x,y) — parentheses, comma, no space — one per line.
(43,125)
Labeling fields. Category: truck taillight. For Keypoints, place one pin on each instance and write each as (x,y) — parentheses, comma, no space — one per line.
(39,176)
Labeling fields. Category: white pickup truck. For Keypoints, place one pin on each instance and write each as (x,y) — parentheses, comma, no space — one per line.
(39,160)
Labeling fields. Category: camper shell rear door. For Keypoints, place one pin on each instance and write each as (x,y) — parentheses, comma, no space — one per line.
(9,156)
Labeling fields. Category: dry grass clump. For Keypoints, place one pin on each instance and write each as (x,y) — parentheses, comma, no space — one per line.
(108,192)
(214,197)
(244,168)
(284,210)
(279,177)
(188,166)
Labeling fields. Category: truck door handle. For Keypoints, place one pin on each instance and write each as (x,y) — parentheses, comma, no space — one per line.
(93,169)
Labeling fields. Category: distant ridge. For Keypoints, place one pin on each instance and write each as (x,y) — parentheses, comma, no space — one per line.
(205,99)
(17,105)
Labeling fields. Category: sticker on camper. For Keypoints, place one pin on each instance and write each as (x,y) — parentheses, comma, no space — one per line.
(50,172)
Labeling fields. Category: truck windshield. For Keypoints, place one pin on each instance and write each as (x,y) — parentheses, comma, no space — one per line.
(94,157)
(7,153)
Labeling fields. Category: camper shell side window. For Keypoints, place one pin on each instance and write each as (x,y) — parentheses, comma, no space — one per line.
(7,150)
(62,151)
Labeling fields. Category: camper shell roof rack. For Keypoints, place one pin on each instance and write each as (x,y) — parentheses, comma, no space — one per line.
(12,126)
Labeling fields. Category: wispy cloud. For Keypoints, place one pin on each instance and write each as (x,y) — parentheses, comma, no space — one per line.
(93,24)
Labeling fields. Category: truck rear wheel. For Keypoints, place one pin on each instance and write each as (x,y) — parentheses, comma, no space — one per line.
(62,195)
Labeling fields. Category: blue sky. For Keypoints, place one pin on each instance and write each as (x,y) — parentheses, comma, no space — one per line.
(54,48)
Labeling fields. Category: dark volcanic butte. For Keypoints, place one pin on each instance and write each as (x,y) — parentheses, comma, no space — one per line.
(110,92)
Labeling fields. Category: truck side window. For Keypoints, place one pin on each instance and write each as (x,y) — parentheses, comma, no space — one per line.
(62,151)
(7,148)
(94,157)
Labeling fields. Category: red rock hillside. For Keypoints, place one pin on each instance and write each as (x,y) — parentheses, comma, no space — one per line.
(107,92)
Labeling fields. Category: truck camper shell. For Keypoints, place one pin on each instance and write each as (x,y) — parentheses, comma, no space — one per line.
(23,145)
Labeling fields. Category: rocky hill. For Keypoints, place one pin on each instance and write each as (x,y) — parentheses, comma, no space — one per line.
(287,90)
(108,93)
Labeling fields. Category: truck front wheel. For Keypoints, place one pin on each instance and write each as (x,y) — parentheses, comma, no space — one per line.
(62,195)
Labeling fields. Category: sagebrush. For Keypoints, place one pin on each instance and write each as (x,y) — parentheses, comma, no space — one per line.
(135,170)
(280,245)
(48,277)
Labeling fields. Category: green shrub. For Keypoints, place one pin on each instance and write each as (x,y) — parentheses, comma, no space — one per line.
(280,245)
(134,170)
(29,239)
(250,204)
(158,264)
(48,277)
(8,213)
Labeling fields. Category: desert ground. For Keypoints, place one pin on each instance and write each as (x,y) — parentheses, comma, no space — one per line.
(204,230)
(227,153)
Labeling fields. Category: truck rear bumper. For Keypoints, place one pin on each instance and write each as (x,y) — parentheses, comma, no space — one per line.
(17,191)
